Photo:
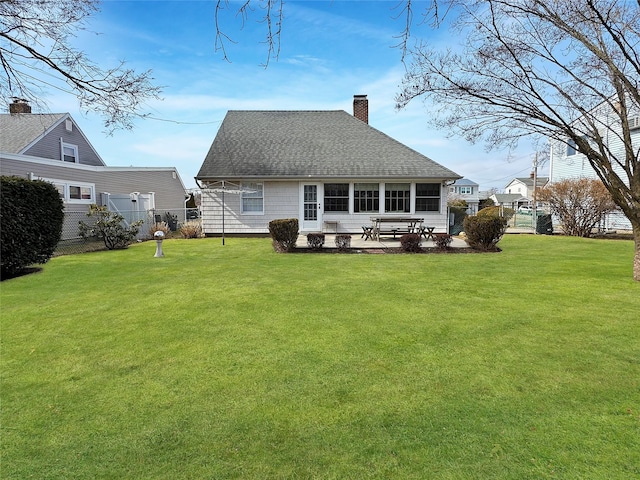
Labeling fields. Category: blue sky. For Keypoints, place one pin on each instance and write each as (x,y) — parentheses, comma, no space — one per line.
(330,50)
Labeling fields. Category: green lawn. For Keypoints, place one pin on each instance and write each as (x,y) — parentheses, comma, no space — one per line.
(233,361)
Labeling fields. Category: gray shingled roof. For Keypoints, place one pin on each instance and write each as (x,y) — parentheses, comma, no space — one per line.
(528,181)
(19,129)
(298,144)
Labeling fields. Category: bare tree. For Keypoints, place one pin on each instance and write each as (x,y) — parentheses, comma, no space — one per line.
(580,204)
(271,12)
(567,70)
(36,52)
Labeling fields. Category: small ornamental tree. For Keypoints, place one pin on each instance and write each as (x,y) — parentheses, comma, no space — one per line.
(580,204)
(109,227)
(31,218)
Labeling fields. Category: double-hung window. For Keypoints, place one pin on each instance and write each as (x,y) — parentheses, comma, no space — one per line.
(397,198)
(427,197)
(336,197)
(69,152)
(466,190)
(366,197)
(252,198)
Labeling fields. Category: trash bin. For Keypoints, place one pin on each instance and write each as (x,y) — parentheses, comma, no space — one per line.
(544,225)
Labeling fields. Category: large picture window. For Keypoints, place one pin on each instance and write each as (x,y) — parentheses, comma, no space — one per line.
(366,197)
(252,198)
(427,197)
(336,197)
(397,198)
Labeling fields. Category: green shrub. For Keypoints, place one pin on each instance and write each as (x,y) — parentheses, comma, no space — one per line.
(343,242)
(284,233)
(315,240)
(484,232)
(496,211)
(109,227)
(410,243)
(31,218)
(442,240)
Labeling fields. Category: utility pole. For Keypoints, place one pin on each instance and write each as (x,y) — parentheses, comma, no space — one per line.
(534,211)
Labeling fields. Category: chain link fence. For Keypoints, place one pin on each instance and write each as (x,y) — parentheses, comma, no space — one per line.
(71,242)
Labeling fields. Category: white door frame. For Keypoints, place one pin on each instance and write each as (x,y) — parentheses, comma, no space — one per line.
(310,224)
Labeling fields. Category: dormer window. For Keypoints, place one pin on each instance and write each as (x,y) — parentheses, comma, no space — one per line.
(69,152)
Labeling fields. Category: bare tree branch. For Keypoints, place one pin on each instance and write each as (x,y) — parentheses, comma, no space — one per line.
(565,69)
(36,53)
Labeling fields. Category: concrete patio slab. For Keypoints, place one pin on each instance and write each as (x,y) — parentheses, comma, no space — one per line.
(358,243)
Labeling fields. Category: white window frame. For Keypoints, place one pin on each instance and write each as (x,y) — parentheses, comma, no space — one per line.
(66,191)
(466,190)
(253,194)
(63,145)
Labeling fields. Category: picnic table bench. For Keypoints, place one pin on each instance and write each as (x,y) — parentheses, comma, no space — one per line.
(395,225)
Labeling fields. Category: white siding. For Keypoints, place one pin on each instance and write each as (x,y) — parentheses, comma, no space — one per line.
(565,166)
(282,200)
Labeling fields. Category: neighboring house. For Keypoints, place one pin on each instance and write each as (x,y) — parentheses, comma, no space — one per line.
(321,167)
(467,190)
(52,147)
(566,162)
(524,187)
(509,200)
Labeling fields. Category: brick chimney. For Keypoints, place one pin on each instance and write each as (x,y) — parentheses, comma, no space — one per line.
(361,108)
(19,105)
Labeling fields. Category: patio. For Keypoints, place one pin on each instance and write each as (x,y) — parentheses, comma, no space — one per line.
(385,242)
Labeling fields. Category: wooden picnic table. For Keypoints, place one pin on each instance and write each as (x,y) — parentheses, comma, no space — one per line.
(391,225)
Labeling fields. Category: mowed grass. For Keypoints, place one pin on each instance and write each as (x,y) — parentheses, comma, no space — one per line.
(233,361)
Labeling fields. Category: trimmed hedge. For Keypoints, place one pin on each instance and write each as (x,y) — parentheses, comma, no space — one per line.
(442,240)
(315,241)
(31,218)
(343,242)
(484,232)
(284,233)
(410,243)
